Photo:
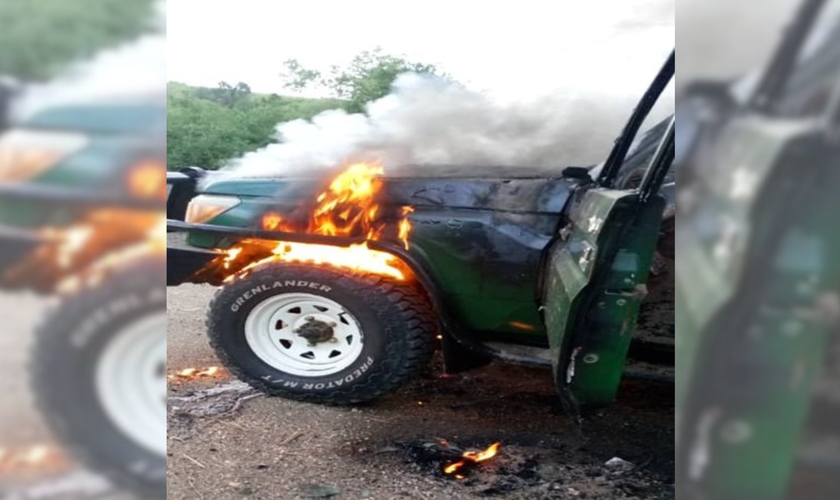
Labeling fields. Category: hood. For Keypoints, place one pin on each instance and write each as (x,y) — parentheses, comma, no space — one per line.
(510,194)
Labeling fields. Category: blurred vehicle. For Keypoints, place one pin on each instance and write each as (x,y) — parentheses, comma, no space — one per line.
(541,270)
(82,191)
(757,278)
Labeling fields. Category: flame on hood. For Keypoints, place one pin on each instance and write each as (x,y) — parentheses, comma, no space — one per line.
(348,207)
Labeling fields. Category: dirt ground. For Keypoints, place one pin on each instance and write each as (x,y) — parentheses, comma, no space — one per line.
(226,442)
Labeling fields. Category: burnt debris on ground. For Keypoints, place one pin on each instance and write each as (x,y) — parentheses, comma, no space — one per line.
(527,472)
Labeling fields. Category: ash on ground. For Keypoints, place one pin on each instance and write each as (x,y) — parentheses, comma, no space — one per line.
(520,472)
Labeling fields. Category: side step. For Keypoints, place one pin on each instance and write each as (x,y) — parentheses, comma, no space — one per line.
(541,357)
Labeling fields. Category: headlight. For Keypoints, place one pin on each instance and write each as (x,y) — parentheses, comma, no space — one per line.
(206,206)
(25,154)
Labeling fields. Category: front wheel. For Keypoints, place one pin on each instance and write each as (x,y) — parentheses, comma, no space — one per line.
(321,335)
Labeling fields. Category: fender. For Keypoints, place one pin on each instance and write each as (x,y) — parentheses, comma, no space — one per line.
(184,265)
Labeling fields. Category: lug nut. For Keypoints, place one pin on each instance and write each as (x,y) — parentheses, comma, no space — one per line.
(310,318)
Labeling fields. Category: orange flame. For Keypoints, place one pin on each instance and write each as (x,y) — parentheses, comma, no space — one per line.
(348,207)
(349,203)
(472,457)
(147,179)
(84,253)
(39,456)
(153,243)
(272,221)
(355,257)
(195,373)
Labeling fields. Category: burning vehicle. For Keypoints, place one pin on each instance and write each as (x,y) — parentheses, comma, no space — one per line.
(82,191)
(338,293)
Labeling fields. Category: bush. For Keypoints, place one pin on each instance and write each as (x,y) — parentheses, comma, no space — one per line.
(206,127)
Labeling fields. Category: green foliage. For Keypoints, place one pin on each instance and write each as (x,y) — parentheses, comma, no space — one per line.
(208,126)
(225,94)
(369,76)
(39,37)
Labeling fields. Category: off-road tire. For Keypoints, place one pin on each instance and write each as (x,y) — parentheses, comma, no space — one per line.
(62,368)
(396,319)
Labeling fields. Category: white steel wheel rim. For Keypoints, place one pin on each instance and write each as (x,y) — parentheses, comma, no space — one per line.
(270,331)
(131,382)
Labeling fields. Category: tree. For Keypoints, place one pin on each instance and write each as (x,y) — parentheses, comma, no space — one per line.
(226,94)
(39,37)
(206,129)
(369,76)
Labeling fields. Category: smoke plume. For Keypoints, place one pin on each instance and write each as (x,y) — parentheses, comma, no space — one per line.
(433,126)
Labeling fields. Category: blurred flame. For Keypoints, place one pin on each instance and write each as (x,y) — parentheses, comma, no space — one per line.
(272,221)
(83,253)
(72,241)
(147,179)
(195,373)
(472,457)
(347,208)
(153,244)
(231,256)
(37,456)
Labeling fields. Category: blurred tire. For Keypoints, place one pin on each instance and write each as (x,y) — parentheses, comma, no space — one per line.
(90,373)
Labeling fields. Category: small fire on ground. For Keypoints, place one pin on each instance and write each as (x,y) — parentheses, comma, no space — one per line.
(40,458)
(349,207)
(469,459)
(195,374)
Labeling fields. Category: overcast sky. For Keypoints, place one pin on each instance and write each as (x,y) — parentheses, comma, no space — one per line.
(510,49)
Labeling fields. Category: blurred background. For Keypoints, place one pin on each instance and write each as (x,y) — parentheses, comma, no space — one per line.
(82,298)
(757,389)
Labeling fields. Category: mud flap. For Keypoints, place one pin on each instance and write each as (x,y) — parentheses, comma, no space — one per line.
(458,358)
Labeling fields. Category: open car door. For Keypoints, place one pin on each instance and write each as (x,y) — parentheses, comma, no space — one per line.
(598,269)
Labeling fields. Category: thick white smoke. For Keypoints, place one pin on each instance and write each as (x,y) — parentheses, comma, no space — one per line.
(429,125)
